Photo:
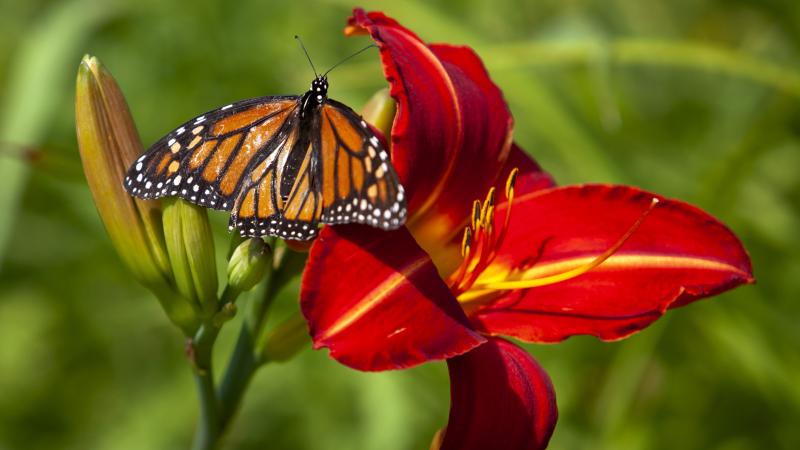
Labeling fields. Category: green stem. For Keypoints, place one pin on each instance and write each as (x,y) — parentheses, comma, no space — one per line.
(209,428)
(245,359)
(243,362)
(237,377)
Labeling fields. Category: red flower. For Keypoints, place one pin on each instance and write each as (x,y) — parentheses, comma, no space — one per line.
(539,264)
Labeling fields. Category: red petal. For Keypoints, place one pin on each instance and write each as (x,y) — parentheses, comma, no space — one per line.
(500,398)
(375,300)
(678,255)
(451,133)
(426,129)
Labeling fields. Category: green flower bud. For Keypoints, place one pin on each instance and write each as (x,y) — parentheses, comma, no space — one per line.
(247,264)
(380,110)
(226,313)
(190,246)
(286,340)
(108,143)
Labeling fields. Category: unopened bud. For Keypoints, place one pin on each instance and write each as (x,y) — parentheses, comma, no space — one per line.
(379,111)
(226,313)
(190,245)
(286,340)
(108,143)
(248,264)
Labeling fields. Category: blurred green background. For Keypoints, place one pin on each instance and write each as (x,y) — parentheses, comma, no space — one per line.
(694,99)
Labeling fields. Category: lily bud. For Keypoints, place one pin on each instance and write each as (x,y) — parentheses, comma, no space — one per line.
(108,143)
(438,439)
(226,313)
(285,340)
(247,264)
(380,110)
(190,246)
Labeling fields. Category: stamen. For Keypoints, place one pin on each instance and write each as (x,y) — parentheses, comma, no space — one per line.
(569,274)
(476,213)
(510,182)
(512,179)
(481,238)
(466,242)
(488,203)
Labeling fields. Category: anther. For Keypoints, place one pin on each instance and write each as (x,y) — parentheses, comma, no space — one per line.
(512,179)
(466,242)
(476,214)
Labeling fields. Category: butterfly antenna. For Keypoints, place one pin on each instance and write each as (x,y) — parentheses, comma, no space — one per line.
(351,56)
(307,56)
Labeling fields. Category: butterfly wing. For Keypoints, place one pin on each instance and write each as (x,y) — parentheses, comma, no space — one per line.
(277,173)
(331,168)
(358,183)
(207,159)
(279,196)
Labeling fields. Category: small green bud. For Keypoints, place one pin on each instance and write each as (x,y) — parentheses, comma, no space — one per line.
(286,340)
(226,313)
(380,110)
(248,264)
(190,246)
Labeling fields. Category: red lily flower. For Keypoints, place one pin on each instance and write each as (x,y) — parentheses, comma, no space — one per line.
(540,264)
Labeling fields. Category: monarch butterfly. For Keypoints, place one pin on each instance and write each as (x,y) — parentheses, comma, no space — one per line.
(280,164)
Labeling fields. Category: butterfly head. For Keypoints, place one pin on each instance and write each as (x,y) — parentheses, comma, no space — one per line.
(319,88)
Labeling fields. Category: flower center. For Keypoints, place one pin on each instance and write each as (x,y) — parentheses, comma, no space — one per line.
(481,238)
(479,247)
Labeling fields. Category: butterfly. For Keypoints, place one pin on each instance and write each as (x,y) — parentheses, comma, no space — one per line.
(280,164)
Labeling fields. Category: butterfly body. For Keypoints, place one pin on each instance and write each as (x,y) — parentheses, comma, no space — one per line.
(281,165)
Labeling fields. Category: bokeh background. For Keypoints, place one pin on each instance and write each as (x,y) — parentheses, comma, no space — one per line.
(694,99)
